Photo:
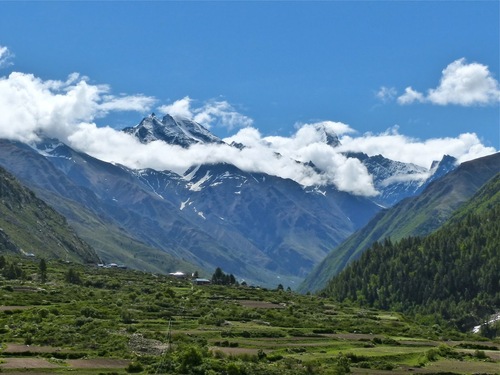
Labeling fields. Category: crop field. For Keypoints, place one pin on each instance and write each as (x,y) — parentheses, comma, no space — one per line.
(87,320)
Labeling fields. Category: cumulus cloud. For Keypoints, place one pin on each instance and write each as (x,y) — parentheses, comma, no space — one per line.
(410,96)
(461,83)
(212,113)
(5,57)
(30,105)
(308,144)
(67,109)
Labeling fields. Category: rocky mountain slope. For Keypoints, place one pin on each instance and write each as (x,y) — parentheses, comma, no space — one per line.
(28,226)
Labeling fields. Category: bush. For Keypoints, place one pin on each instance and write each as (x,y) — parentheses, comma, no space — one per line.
(480,354)
(134,367)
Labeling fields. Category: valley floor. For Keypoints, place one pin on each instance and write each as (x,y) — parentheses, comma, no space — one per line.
(109,321)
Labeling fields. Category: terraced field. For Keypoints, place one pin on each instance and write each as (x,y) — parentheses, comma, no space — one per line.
(110,321)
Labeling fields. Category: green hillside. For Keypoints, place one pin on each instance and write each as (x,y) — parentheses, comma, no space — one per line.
(29,226)
(417,216)
(453,273)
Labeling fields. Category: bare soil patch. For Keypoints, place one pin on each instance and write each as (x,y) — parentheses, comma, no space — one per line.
(234,351)
(12,308)
(18,348)
(27,363)
(98,363)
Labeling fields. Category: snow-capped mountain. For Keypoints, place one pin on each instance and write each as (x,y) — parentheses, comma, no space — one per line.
(262,228)
(178,131)
(396,180)
(328,136)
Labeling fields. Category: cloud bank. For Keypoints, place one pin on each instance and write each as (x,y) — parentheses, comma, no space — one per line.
(461,84)
(31,107)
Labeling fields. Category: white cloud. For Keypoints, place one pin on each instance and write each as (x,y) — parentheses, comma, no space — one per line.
(5,57)
(212,113)
(308,144)
(180,108)
(398,147)
(461,84)
(466,84)
(410,96)
(386,94)
(330,127)
(137,103)
(30,107)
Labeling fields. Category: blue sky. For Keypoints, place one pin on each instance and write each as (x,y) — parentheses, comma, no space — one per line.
(273,65)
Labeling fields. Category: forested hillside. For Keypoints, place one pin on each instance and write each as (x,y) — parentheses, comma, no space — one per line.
(453,273)
(418,216)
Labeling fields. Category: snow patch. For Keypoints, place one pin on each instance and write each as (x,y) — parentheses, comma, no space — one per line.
(191,174)
(183,204)
(197,186)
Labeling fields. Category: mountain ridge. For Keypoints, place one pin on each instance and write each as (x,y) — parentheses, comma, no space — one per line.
(262,228)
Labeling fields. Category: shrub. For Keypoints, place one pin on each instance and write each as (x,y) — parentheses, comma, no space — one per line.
(90,312)
(480,354)
(134,367)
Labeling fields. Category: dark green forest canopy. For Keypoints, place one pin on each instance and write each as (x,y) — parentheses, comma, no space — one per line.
(453,273)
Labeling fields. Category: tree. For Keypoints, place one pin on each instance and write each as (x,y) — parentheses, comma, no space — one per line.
(73,277)
(220,278)
(43,270)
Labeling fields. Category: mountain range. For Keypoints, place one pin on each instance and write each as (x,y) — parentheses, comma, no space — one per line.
(263,229)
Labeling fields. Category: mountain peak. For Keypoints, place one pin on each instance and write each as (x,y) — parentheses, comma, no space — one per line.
(172,130)
(328,135)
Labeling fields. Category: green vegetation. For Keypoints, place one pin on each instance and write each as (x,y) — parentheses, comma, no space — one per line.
(91,320)
(417,216)
(28,225)
(453,274)
(220,278)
